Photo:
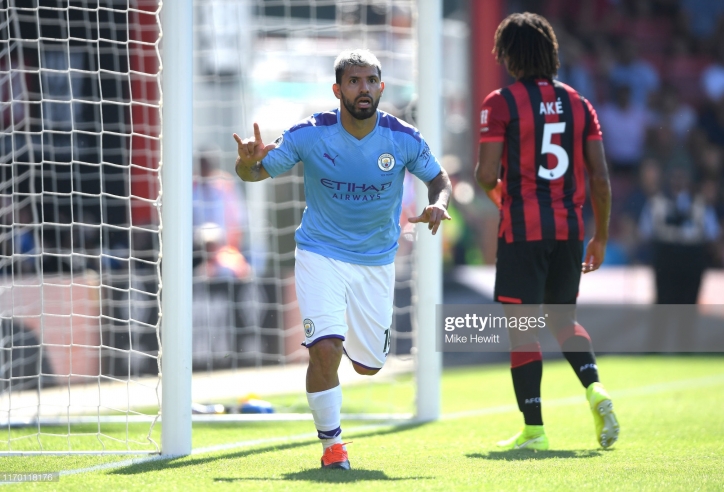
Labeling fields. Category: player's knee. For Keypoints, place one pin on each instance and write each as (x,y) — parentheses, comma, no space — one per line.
(365,371)
(327,352)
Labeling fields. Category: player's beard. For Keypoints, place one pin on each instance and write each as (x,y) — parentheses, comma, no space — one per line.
(361,113)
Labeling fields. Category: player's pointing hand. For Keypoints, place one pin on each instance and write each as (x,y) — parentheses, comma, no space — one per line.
(252,150)
(432,216)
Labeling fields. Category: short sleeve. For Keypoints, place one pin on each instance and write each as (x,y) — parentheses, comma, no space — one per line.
(284,157)
(422,163)
(594,127)
(494,118)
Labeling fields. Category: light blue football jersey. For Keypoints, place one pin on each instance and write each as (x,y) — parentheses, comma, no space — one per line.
(353,187)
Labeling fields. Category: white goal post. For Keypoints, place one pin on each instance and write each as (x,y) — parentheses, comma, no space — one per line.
(176,234)
(428,367)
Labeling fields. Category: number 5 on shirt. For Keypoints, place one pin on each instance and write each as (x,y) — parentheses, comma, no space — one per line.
(548,147)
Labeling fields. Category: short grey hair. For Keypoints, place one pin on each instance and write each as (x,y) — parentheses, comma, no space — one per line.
(357,58)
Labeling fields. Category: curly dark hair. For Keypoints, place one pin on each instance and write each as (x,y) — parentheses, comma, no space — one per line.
(528,42)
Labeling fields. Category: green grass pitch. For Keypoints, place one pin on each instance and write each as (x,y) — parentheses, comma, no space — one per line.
(669,408)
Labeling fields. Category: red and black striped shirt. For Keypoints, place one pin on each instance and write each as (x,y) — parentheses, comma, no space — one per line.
(544,125)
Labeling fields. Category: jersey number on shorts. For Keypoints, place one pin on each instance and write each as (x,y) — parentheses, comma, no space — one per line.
(548,147)
(386,348)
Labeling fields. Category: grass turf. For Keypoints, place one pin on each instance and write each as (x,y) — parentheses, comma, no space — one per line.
(669,409)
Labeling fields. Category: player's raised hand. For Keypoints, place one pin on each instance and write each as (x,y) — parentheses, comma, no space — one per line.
(432,216)
(252,150)
(595,252)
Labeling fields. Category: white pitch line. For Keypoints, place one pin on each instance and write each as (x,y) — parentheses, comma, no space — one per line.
(652,389)
(115,464)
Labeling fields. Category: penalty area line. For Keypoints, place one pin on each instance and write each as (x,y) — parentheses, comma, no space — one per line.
(683,384)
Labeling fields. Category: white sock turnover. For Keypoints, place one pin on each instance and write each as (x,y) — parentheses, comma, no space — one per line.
(326,406)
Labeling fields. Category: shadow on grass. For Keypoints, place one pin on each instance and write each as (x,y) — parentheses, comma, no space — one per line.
(173,463)
(326,476)
(529,454)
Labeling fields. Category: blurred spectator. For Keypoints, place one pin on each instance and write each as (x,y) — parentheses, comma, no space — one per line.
(682,69)
(703,16)
(11,89)
(712,123)
(680,226)
(579,17)
(709,165)
(17,238)
(218,219)
(217,200)
(712,79)
(671,112)
(668,150)
(711,191)
(648,186)
(624,129)
(219,260)
(462,240)
(634,72)
(574,72)
(638,20)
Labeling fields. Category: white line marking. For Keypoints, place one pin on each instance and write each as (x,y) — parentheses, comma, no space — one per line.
(683,384)
(115,464)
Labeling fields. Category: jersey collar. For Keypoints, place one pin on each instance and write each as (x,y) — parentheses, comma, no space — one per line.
(350,137)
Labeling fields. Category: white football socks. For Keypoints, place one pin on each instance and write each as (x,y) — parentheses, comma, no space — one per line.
(326,406)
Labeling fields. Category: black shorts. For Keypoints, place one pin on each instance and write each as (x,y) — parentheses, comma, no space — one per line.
(537,272)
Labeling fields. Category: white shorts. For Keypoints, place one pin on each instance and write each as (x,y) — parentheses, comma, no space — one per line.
(333,294)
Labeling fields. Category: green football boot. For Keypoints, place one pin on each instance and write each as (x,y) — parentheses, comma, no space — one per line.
(603,417)
(531,437)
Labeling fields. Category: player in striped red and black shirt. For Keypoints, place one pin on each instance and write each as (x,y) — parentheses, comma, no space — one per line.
(538,139)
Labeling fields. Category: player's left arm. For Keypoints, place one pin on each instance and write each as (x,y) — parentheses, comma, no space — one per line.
(600,203)
(595,160)
(488,168)
(438,194)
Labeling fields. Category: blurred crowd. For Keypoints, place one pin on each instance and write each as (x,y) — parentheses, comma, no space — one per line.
(654,70)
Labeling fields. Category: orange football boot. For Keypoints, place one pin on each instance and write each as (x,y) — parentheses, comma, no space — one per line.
(335,456)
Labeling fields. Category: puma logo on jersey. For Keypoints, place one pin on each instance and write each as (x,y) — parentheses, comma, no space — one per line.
(331,158)
(551,108)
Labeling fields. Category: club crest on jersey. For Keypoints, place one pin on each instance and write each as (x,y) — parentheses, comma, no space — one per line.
(386,162)
(308,327)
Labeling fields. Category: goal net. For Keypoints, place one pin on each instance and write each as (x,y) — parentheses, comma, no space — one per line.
(79,225)
(80,214)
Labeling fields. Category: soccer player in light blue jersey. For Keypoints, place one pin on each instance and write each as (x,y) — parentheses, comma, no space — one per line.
(355,159)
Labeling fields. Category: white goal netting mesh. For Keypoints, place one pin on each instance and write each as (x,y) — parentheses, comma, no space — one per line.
(79,212)
(79,242)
